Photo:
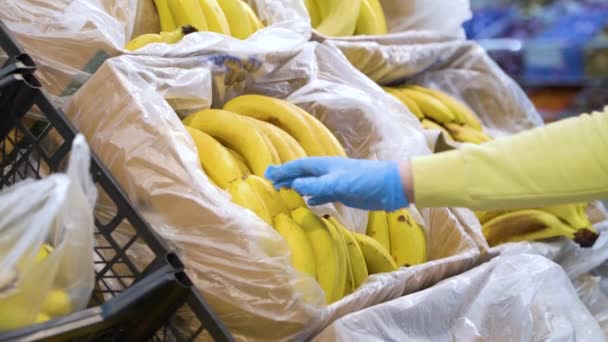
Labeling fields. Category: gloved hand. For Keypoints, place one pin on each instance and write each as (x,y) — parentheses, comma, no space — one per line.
(362,184)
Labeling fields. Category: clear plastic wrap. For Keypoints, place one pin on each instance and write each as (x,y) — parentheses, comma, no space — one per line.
(238,262)
(46,245)
(510,298)
(70,39)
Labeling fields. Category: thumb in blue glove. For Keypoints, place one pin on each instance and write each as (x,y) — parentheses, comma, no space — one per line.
(362,184)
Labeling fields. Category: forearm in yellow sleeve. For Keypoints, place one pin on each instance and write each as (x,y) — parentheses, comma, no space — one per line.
(564,162)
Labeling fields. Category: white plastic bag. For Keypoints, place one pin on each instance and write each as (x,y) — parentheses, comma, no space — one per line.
(239,263)
(511,298)
(589,291)
(58,211)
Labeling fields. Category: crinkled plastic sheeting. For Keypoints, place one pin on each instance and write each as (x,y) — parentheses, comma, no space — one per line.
(57,210)
(238,262)
(70,39)
(510,298)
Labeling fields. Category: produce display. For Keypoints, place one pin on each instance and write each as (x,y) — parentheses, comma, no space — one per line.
(237,143)
(181,17)
(337,18)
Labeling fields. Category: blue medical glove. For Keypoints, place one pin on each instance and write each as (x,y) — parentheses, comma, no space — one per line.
(363,184)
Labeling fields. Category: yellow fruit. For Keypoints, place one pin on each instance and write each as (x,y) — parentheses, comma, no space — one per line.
(338,17)
(286,146)
(42,317)
(281,114)
(188,12)
(240,161)
(143,40)
(377,258)
(215,17)
(244,195)
(408,240)
(313,12)
(237,133)
(355,256)
(271,198)
(463,114)
(43,253)
(377,228)
(254,22)
(331,145)
(57,303)
(430,106)
(467,134)
(292,199)
(344,278)
(302,255)
(409,103)
(428,124)
(167,23)
(237,18)
(371,19)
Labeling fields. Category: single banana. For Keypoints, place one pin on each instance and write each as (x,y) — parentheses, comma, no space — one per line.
(408,241)
(255,23)
(188,12)
(326,252)
(171,37)
(377,228)
(237,133)
(574,215)
(525,225)
(143,40)
(338,17)
(463,114)
(485,216)
(467,134)
(215,17)
(430,106)
(286,146)
(271,198)
(302,255)
(313,12)
(377,258)
(328,140)
(355,256)
(344,278)
(371,20)
(215,159)
(237,18)
(240,161)
(409,103)
(167,23)
(244,195)
(428,124)
(279,113)
(292,199)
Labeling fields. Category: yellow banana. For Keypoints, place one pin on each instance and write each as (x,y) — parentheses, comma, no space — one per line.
(188,12)
(357,262)
(271,198)
(216,161)
(325,249)
(377,228)
(313,12)
(255,23)
(292,199)
(371,20)
(143,40)
(344,277)
(485,216)
(237,133)
(176,35)
(525,225)
(463,114)
(279,113)
(286,146)
(244,195)
(574,215)
(338,17)
(302,255)
(328,140)
(377,258)
(273,151)
(167,23)
(216,20)
(43,253)
(430,106)
(467,134)
(428,124)
(240,162)
(409,103)
(408,241)
(237,18)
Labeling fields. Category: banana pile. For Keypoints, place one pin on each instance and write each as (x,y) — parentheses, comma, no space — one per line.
(57,302)
(570,221)
(437,110)
(337,18)
(237,143)
(181,17)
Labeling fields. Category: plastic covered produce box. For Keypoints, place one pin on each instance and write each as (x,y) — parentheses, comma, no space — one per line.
(238,261)
(70,39)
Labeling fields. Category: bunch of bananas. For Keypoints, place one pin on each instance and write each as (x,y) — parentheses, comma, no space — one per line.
(569,221)
(338,18)
(15,314)
(237,143)
(180,17)
(437,110)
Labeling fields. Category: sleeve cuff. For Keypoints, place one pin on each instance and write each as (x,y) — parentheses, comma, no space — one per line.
(439,180)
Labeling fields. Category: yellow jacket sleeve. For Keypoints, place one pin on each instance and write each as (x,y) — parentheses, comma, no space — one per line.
(564,162)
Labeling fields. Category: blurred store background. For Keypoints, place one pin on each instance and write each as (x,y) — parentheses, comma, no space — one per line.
(556,49)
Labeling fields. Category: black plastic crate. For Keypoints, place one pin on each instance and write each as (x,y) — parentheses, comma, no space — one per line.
(133,300)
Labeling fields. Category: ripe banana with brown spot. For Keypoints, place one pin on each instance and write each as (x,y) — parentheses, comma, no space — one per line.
(408,240)
(377,258)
